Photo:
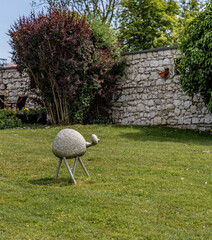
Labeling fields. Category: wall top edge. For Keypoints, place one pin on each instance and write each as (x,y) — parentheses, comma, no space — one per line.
(123,54)
(149,50)
(8,67)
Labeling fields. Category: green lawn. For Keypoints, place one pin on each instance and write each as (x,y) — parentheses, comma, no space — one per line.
(146,183)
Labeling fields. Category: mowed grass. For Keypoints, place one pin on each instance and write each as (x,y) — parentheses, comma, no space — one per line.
(145,183)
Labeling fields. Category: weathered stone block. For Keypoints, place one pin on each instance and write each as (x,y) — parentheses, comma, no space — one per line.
(10,94)
(128,57)
(140,107)
(141,69)
(157,101)
(166,61)
(173,122)
(157,121)
(5,81)
(150,103)
(167,53)
(187,121)
(153,75)
(160,81)
(193,109)
(208,119)
(180,120)
(17,85)
(177,103)
(153,63)
(160,64)
(143,55)
(195,120)
(171,114)
(160,53)
(204,110)
(149,55)
(169,107)
(139,90)
(146,64)
(132,109)
(187,104)
(17,75)
(144,97)
(136,56)
(152,113)
(177,111)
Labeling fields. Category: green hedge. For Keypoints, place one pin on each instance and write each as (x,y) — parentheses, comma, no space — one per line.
(8,119)
(13,119)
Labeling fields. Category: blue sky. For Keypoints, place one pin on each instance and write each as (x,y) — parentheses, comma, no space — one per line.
(10,11)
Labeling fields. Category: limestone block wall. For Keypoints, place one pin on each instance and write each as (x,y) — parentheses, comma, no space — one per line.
(145,98)
(13,86)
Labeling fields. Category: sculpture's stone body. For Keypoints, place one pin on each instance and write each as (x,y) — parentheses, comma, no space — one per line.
(69,143)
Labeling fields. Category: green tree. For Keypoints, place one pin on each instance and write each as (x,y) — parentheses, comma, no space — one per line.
(188,9)
(195,65)
(105,10)
(147,24)
(51,3)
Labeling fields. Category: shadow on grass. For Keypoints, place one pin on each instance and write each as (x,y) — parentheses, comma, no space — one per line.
(61,182)
(51,181)
(165,134)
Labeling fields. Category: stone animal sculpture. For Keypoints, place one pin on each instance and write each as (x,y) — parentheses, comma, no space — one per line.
(69,143)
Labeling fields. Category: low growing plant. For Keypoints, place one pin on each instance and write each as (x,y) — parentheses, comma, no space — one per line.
(8,119)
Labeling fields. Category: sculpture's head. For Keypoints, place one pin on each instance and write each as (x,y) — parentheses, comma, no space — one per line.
(94,139)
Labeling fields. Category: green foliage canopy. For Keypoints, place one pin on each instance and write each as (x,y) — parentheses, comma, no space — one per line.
(105,10)
(195,65)
(188,9)
(146,24)
(142,24)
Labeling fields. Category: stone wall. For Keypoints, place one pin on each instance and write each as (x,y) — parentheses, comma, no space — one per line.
(13,86)
(145,98)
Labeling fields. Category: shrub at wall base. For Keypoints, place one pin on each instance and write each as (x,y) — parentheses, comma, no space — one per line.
(64,61)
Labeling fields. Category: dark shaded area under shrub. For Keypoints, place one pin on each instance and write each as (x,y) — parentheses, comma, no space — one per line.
(33,118)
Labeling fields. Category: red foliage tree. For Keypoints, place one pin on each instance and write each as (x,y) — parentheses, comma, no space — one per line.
(59,52)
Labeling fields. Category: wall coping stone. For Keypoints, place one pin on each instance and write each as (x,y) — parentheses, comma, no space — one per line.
(149,50)
(7,67)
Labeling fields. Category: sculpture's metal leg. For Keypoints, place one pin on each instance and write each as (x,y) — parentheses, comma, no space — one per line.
(75,165)
(83,166)
(69,170)
(58,168)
